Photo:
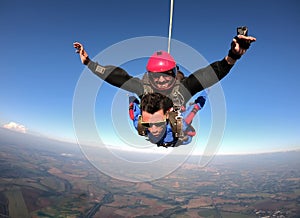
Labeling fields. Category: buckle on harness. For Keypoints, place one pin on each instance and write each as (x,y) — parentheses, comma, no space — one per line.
(166,144)
(175,119)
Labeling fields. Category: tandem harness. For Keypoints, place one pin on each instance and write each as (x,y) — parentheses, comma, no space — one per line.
(179,118)
(178,125)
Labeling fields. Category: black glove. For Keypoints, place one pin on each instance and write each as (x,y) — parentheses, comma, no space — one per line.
(201,101)
(243,43)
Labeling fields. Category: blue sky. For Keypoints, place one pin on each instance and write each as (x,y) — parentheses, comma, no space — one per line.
(39,69)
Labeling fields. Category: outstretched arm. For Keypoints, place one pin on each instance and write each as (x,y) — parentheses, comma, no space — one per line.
(113,75)
(208,76)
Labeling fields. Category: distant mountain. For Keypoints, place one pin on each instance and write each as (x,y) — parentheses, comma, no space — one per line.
(9,137)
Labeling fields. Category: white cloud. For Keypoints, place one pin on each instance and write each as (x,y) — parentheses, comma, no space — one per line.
(15,126)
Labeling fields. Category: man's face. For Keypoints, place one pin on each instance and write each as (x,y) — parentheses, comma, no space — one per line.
(162,81)
(156,123)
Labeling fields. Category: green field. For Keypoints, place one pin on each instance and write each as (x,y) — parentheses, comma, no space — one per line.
(17,206)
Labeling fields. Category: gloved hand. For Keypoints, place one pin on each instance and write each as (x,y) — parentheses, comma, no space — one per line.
(240,44)
(201,101)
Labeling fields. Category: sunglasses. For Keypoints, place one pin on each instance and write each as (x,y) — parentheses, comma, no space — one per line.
(157,124)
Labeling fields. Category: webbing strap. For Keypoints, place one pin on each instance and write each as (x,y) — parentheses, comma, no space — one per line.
(176,124)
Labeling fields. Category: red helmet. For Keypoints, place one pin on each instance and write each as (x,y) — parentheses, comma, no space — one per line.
(160,61)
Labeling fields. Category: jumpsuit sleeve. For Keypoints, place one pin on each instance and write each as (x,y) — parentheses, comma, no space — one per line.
(118,77)
(207,76)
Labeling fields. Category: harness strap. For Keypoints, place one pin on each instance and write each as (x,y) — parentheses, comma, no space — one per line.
(176,124)
(131,113)
(175,95)
(141,129)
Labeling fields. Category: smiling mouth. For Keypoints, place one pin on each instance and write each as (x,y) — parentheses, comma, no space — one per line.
(163,86)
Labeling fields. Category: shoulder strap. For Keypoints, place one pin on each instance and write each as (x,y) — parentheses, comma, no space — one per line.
(176,96)
(141,129)
(146,84)
(176,124)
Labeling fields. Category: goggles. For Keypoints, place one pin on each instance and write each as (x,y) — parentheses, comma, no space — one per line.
(169,73)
